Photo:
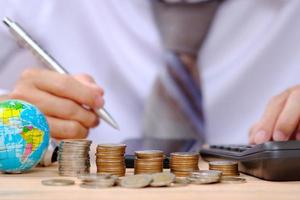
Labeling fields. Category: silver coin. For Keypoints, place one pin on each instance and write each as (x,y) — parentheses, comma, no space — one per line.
(100,183)
(80,141)
(162,179)
(136,181)
(58,182)
(205,177)
(179,182)
(233,180)
(93,177)
(204,180)
(206,173)
(73,157)
(223,162)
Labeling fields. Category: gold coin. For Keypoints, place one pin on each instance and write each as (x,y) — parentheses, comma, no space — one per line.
(149,154)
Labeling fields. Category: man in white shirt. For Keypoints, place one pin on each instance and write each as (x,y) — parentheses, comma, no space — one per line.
(250,54)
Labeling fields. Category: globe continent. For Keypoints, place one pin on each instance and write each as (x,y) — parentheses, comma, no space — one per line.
(24,136)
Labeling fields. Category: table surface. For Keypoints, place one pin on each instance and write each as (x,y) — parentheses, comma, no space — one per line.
(28,186)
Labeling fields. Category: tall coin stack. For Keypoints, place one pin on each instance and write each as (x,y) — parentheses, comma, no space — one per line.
(227,167)
(182,164)
(148,161)
(110,159)
(73,157)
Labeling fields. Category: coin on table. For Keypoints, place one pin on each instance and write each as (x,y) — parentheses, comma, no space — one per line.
(58,182)
(162,179)
(92,177)
(206,173)
(234,180)
(100,183)
(136,181)
(205,177)
(179,182)
(204,180)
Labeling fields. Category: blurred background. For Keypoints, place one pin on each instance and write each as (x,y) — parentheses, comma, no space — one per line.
(249,54)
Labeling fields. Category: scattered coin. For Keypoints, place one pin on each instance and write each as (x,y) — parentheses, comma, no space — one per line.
(205,177)
(100,183)
(93,177)
(58,182)
(97,180)
(204,180)
(228,168)
(73,157)
(162,179)
(206,173)
(233,180)
(180,181)
(184,163)
(136,181)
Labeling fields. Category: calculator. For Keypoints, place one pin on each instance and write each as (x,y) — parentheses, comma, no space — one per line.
(273,161)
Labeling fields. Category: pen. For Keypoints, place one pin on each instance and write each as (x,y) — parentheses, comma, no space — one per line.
(49,61)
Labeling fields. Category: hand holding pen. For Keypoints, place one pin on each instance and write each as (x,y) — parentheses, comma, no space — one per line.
(63,98)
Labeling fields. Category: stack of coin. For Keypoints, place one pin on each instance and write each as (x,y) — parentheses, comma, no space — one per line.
(110,159)
(73,157)
(228,168)
(148,161)
(183,163)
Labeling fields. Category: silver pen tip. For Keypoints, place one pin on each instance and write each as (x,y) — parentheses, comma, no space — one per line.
(114,124)
(6,21)
(107,118)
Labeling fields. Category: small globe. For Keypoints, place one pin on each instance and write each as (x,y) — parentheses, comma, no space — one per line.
(24,136)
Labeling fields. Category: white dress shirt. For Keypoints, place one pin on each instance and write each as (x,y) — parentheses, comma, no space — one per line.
(251,53)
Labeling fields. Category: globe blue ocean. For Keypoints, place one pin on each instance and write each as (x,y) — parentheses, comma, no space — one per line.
(24,136)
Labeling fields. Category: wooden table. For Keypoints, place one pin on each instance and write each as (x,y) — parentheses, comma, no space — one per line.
(28,186)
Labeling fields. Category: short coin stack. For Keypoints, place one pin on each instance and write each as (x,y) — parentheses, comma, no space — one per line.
(148,161)
(183,163)
(205,177)
(73,157)
(227,167)
(110,159)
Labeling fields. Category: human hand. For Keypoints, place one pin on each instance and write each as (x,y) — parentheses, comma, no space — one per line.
(280,121)
(61,98)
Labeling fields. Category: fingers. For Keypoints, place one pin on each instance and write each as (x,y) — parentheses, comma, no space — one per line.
(66,129)
(64,100)
(56,106)
(297,133)
(288,119)
(252,133)
(264,129)
(65,86)
(280,120)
